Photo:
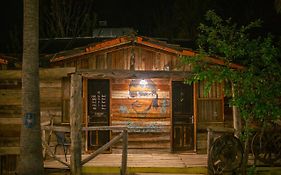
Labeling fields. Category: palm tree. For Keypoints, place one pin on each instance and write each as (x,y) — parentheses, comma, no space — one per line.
(31,159)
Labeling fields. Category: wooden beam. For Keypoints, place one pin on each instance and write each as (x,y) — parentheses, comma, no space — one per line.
(9,120)
(109,43)
(96,48)
(165,48)
(212,60)
(89,73)
(76,123)
(51,73)
(124,153)
(55,73)
(195,112)
(103,148)
(85,109)
(56,128)
(104,128)
(9,150)
(237,124)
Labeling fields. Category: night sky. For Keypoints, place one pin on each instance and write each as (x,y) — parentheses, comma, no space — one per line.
(139,14)
(118,13)
(10,16)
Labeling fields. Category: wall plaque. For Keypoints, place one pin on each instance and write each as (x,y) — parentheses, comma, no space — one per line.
(29,120)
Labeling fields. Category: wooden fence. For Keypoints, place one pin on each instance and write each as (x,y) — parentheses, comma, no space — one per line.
(77,164)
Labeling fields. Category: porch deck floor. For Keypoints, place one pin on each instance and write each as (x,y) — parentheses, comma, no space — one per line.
(142,163)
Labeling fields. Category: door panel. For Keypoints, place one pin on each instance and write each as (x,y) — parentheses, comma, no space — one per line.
(98,112)
(182,117)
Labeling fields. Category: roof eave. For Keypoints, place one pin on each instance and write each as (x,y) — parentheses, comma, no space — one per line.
(95,48)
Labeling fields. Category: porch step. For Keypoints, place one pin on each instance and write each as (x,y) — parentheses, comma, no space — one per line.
(161,174)
(149,174)
(149,163)
(146,170)
(165,163)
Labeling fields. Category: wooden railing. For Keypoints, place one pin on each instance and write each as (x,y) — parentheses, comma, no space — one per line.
(79,163)
(123,135)
(46,148)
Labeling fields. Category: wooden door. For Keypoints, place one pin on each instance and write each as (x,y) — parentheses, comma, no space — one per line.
(182,117)
(98,112)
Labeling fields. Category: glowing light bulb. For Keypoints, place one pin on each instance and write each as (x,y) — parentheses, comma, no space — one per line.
(143,82)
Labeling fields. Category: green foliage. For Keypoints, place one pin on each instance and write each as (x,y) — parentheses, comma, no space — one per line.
(257,85)
(252,170)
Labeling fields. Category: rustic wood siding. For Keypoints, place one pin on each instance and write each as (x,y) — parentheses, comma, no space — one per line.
(10,107)
(124,58)
(210,111)
(11,103)
(149,128)
(10,112)
(210,106)
(65,99)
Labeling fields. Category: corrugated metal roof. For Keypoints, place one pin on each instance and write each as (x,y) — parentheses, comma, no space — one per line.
(112,32)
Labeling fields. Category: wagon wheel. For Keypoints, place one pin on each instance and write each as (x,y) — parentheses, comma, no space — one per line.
(266,147)
(226,154)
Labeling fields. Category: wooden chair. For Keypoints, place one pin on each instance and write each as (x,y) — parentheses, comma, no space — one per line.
(63,142)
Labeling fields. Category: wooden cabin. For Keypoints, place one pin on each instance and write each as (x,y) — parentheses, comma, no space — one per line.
(131,81)
(137,82)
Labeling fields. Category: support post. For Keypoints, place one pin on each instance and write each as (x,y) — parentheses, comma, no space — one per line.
(76,123)
(210,139)
(124,152)
(236,121)
(236,117)
(43,137)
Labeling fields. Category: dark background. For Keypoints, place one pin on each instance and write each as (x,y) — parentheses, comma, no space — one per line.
(154,18)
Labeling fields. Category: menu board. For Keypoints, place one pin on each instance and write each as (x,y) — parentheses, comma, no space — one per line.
(98,101)
(98,112)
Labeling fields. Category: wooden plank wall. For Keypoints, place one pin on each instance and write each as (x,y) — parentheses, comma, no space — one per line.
(10,107)
(149,127)
(10,113)
(210,110)
(210,106)
(10,104)
(124,58)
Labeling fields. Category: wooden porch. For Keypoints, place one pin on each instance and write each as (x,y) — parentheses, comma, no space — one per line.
(147,164)
(183,163)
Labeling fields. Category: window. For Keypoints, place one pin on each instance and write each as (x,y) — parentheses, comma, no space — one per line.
(210,106)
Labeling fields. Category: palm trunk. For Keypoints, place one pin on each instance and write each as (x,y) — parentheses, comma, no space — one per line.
(31,158)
